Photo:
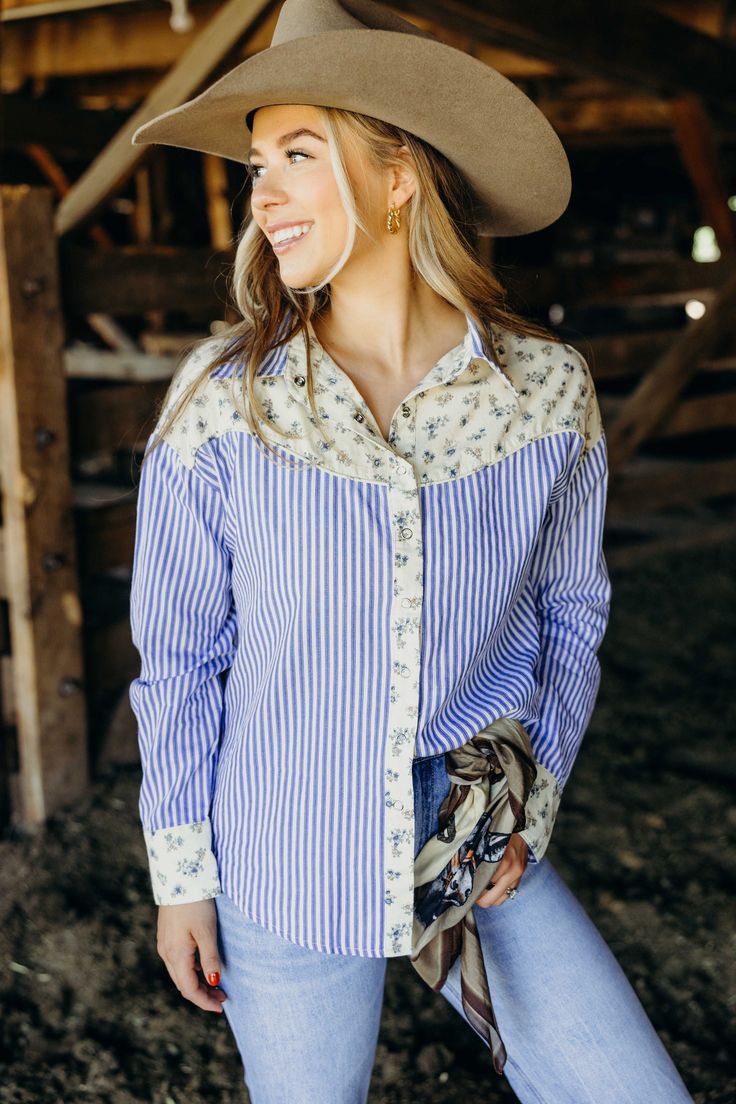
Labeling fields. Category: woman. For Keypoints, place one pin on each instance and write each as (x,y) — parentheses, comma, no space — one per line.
(378,503)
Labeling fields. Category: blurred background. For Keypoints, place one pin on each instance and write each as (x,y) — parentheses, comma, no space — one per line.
(112,258)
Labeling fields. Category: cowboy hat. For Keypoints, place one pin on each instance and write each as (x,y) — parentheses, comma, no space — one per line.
(357,55)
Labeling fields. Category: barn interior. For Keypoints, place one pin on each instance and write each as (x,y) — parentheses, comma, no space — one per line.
(114,257)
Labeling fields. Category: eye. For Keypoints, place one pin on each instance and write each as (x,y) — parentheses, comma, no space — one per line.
(254,170)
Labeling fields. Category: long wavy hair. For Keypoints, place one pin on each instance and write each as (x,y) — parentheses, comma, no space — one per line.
(443,246)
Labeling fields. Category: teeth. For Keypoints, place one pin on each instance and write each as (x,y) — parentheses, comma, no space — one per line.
(291,232)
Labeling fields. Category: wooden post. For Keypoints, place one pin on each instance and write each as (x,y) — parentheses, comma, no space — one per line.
(39,578)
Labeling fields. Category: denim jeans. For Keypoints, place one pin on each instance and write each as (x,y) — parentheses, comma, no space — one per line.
(306,1023)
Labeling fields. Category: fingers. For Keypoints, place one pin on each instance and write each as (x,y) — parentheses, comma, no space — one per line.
(192,986)
(209,966)
(187,943)
(496,894)
(508,873)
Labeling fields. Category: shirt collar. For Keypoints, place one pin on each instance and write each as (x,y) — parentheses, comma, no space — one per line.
(447,369)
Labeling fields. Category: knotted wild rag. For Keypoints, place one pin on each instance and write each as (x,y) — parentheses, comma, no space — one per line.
(491,777)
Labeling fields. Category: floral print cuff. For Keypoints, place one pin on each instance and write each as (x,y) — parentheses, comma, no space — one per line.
(541,811)
(182,863)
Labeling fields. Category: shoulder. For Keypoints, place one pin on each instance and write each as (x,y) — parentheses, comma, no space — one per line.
(555,383)
(195,363)
(530,358)
(199,414)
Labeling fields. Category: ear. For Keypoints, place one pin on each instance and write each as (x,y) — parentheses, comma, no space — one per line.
(402,181)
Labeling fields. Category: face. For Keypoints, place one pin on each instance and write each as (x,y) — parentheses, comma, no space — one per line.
(294,186)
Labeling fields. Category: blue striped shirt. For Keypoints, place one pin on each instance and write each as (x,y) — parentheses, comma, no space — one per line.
(371,600)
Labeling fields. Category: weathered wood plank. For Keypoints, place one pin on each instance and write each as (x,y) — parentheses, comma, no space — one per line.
(134,279)
(85,362)
(39,546)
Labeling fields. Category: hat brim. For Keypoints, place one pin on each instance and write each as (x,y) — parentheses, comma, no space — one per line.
(498,137)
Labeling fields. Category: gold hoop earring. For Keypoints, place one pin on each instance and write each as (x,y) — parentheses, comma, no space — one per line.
(393,222)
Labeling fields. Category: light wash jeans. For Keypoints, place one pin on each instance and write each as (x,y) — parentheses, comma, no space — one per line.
(306,1023)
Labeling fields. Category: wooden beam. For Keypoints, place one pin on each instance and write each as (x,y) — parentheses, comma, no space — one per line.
(653,398)
(707,16)
(612,39)
(599,115)
(126,39)
(128,280)
(651,485)
(84,362)
(694,415)
(144,40)
(39,547)
(118,160)
(699,152)
(41,8)
(625,284)
(133,279)
(616,356)
(63,128)
(625,557)
(214,172)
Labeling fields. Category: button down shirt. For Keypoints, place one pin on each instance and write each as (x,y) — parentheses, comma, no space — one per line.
(370,600)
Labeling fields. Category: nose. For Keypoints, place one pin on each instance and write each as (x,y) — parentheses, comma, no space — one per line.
(267,193)
(268,209)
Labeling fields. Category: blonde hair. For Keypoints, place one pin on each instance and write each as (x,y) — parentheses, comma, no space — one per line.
(443,247)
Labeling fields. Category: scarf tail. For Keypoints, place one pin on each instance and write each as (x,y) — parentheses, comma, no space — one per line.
(475,993)
(433,963)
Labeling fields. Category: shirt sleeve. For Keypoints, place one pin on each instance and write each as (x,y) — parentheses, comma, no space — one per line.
(184,628)
(572,593)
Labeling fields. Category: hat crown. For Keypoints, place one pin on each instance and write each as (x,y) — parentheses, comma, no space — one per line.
(302,18)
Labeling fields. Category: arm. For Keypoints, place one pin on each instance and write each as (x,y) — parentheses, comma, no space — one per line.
(184,627)
(572,592)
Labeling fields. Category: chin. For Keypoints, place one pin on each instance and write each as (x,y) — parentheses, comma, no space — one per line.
(301,279)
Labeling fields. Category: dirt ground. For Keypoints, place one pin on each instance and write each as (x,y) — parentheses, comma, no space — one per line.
(644,837)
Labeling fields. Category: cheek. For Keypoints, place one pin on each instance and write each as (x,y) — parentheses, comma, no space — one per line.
(319,192)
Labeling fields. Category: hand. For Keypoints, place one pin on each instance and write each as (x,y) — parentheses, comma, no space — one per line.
(508,872)
(184,930)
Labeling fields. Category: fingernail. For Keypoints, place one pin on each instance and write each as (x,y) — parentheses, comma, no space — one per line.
(214,978)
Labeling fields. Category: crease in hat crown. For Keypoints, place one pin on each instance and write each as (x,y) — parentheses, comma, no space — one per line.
(359,56)
(301,18)
(304,18)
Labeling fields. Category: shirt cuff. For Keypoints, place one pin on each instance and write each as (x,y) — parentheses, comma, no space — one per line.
(541,811)
(182,863)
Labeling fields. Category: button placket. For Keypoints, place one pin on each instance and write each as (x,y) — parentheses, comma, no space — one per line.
(405,627)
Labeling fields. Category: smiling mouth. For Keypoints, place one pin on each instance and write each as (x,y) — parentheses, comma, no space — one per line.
(283,247)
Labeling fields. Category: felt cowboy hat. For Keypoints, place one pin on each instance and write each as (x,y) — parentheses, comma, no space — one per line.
(357,55)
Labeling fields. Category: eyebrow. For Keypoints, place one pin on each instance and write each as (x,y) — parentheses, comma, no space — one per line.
(290,137)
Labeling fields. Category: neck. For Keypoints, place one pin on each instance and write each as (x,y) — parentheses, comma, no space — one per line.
(391,318)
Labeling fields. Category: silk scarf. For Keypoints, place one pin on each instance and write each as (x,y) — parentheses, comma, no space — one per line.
(491,777)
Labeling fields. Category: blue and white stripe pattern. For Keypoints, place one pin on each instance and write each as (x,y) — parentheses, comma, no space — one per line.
(373,601)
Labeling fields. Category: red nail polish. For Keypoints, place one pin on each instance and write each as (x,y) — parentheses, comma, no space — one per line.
(214,978)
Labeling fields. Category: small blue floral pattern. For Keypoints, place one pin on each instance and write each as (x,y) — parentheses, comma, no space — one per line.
(182,864)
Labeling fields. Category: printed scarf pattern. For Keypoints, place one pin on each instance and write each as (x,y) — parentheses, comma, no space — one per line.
(491,777)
